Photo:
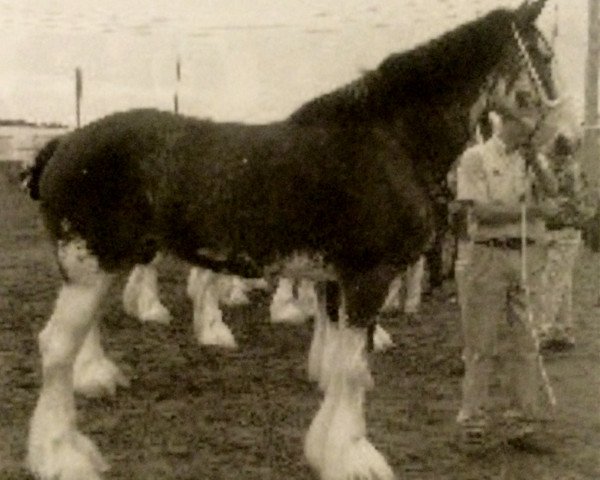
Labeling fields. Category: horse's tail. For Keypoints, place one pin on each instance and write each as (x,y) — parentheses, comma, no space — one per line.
(30,176)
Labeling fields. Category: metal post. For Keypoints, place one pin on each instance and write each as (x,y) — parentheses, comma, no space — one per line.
(78,93)
(177,80)
(531,322)
(591,146)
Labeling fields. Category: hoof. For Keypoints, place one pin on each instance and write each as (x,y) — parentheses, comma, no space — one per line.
(382,340)
(289,312)
(218,334)
(359,460)
(98,378)
(72,456)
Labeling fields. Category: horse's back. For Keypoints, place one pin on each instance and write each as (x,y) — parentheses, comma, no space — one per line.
(143,180)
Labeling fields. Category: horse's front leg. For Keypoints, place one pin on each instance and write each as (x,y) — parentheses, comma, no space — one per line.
(336,443)
(57,450)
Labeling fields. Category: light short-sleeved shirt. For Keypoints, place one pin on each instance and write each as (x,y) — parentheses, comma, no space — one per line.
(487,173)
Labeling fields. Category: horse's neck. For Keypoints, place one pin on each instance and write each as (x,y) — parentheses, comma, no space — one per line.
(436,135)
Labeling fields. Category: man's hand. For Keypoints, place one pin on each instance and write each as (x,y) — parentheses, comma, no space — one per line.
(546,210)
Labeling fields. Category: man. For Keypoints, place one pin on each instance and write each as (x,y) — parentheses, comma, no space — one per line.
(564,238)
(492,184)
(459,216)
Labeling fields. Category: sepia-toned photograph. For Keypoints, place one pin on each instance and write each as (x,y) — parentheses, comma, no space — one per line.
(300,240)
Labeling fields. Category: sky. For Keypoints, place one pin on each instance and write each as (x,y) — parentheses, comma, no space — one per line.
(241,60)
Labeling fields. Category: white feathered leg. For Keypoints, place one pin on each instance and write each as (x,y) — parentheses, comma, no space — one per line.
(392,302)
(140,296)
(94,373)
(325,342)
(322,347)
(307,297)
(56,449)
(209,327)
(336,444)
(232,290)
(284,307)
(382,340)
(317,346)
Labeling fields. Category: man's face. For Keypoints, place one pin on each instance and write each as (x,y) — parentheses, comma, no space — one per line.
(517,131)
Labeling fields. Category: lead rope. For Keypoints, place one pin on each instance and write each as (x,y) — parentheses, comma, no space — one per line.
(529,314)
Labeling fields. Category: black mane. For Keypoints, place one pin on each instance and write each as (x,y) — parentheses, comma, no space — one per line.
(439,69)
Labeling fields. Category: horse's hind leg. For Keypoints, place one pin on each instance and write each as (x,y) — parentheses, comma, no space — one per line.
(285,308)
(57,450)
(209,327)
(391,304)
(94,374)
(140,296)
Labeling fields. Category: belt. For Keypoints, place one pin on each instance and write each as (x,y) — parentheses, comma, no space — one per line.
(510,243)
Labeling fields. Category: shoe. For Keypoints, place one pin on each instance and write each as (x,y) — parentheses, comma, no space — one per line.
(561,344)
(532,441)
(524,433)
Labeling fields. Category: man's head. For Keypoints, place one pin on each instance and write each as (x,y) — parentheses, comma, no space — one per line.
(513,129)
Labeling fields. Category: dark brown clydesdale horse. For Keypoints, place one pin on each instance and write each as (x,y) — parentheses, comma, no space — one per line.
(339,192)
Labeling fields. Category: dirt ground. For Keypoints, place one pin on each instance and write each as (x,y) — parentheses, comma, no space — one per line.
(202,413)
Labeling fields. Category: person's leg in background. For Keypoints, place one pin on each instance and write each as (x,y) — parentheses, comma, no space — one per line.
(557,325)
(414,286)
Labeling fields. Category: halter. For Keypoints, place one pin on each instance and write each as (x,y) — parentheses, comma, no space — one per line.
(532,72)
(548,104)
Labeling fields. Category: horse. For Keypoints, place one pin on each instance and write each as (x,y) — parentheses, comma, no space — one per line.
(292,302)
(338,192)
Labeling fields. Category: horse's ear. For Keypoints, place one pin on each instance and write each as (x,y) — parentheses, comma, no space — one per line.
(529,11)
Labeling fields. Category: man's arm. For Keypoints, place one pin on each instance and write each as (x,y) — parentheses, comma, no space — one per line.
(544,176)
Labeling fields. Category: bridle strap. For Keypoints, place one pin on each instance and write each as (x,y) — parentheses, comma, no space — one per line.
(533,74)
(548,104)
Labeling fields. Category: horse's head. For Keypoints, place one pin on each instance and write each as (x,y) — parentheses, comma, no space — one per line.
(528,84)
